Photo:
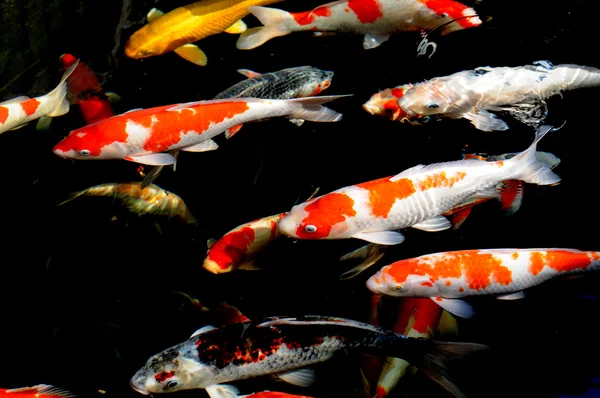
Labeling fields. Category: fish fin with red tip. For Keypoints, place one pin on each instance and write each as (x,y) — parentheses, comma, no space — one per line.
(248,73)
(42,390)
(511,196)
(233,131)
(457,219)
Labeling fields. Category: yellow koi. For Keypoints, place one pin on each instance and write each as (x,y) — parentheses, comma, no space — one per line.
(177,29)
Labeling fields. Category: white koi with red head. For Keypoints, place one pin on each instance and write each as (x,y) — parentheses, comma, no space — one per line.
(375,19)
(238,247)
(416,198)
(17,112)
(471,94)
(146,135)
(448,276)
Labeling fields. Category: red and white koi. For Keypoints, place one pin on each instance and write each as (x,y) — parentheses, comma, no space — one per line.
(147,135)
(238,247)
(19,111)
(416,198)
(472,94)
(377,20)
(449,276)
(284,346)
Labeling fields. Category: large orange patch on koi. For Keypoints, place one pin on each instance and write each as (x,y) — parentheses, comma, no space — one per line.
(30,106)
(440,180)
(367,11)
(168,126)
(560,260)
(3,114)
(383,193)
(453,9)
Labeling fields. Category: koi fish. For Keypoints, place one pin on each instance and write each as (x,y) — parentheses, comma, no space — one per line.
(472,94)
(39,391)
(417,198)
(284,346)
(85,91)
(147,135)
(448,277)
(238,247)
(19,111)
(297,82)
(177,29)
(150,200)
(377,20)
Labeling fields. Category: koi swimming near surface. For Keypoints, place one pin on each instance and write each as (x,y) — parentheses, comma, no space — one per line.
(448,277)
(284,346)
(475,94)
(377,20)
(417,197)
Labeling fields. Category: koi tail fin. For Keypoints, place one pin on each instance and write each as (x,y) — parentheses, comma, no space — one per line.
(532,170)
(272,19)
(431,356)
(71,196)
(311,108)
(58,95)
(570,77)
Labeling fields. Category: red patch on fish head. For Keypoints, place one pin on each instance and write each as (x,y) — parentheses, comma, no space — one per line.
(161,377)
(453,10)
(89,141)
(385,103)
(229,251)
(326,215)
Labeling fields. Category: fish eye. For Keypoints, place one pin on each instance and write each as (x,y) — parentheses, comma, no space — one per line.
(310,229)
(433,105)
(172,384)
(398,288)
(84,152)
(443,15)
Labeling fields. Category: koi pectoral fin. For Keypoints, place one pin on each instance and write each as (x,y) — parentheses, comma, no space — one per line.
(155,159)
(372,40)
(304,377)
(222,391)
(238,27)
(204,146)
(381,237)
(435,224)
(456,307)
(511,296)
(191,52)
(485,121)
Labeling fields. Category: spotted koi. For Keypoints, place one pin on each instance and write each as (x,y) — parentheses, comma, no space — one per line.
(19,111)
(472,94)
(377,20)
(417,198)
(283,346)
(449,276)
(149,136)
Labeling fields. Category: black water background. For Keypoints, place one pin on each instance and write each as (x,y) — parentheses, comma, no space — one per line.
(86,301)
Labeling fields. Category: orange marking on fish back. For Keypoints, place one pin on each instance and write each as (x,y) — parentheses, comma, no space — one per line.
(438,180)
(232,247)
(398,92)
(478,268)
(451,8)
(383,193)
(324,213)
(448,283)
(515,255)
(3,114)
(560,260)
(367,11)
(499,163)
(461,289)
(169,125)
(30,106)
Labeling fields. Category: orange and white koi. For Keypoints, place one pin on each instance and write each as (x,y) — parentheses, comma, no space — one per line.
(448,277)
(85,91)
(38,391)
(377,20)
(238,247)
(179,28)
(472,94)
(149,200)
(147,135)
(19,111)
(416,198)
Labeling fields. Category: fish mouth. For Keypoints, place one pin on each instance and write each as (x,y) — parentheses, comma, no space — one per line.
(138,387)
(372,285)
